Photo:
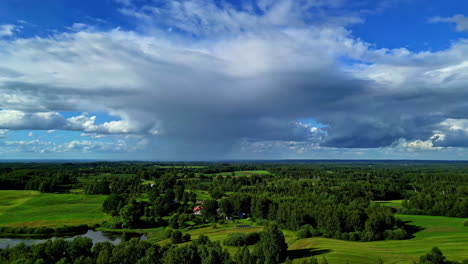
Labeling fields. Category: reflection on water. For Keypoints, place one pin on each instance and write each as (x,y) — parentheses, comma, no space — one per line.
(96,236)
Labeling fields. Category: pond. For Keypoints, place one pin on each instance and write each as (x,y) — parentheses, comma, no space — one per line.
(96,236)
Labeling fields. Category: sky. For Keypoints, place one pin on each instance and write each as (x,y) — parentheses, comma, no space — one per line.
(239,79)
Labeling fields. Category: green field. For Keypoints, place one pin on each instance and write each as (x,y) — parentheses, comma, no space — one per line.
(243,173)
(447,233)
(34,209)
(391,203)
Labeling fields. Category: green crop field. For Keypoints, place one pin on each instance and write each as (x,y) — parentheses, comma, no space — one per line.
(34,209)
(447,233)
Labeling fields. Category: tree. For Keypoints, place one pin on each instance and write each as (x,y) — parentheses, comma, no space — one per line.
(129,216)
(433,257)
(209,208)
(272,246)
(217,193)
(226,206)
(176,237)
(243,256)
(112,203)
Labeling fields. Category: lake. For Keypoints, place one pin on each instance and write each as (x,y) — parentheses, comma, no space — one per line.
(96,236)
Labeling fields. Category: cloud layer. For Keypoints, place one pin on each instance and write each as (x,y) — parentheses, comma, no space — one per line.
(211,78)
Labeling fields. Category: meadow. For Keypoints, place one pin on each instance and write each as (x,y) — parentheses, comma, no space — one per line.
(35,209)
(447,233)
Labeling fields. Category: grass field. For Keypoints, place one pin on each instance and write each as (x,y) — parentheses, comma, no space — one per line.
(34,209)
(219,233)
(447,233)
(391,203)
(243,173)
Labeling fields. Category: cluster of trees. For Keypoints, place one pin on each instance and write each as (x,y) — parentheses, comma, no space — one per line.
(435,256)
(437,203)
(41,178)
(242,239)
(334,204)
(45,231)
(271,249)
(324,214)
(166,197)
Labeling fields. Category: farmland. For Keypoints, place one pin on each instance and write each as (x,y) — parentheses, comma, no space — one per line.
(447,233)
(34,209)
(344,213)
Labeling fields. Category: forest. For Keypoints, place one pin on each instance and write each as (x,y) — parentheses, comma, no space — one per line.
(263,210)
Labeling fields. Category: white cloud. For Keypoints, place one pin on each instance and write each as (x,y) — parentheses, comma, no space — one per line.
(8,30)
(76,146)
(93,146)
(418,145)
(51,121)
(3,133)
(460,21)
(455,124)
(81,27)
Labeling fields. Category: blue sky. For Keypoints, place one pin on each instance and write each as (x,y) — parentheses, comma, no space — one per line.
(209,79)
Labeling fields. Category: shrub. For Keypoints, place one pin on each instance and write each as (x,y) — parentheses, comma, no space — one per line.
(354,236)
(242,239)
(176,237)
(168,233)
(304,232)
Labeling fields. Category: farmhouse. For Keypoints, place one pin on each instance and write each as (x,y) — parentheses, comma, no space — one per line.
(197,210)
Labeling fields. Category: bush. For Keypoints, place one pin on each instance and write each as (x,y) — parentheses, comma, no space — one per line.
(305,231)
(242,239)
(345,236)
(465,223)
(168,233)
(114,223)
(354,236)
(176,237)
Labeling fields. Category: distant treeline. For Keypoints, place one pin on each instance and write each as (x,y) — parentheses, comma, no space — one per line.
(44,231)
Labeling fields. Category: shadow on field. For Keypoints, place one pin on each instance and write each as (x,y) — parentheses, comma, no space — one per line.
(305,253)
(412,229)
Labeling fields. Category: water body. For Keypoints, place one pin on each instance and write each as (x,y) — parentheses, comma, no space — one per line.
(96,236)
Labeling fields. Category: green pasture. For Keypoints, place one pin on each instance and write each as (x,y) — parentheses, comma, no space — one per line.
(447,233)
(35,209)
